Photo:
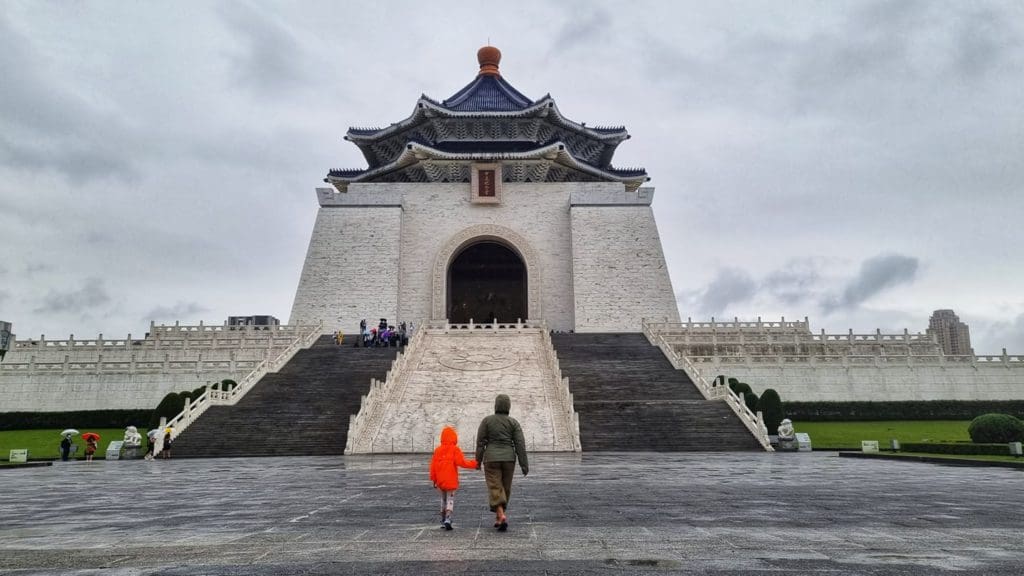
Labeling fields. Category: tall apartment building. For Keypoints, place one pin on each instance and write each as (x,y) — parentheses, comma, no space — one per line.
(953,335)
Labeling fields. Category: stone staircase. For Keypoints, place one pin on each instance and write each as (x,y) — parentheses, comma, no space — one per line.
(302,410)
(629,397)
(451,375)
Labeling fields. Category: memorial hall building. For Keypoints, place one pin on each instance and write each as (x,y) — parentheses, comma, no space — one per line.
(521,261)
(486,206)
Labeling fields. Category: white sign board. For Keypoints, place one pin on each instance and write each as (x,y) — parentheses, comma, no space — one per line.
(869,446)
(114,450)
(803,441)
(19,455)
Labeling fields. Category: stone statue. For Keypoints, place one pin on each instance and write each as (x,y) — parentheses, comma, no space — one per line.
(132,441)
(786,431)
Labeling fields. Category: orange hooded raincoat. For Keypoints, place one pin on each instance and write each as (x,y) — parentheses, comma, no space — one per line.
(447,457)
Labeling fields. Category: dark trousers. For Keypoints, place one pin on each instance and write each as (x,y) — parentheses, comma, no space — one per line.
(498,476)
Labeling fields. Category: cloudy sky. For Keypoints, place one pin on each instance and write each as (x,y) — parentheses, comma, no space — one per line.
(860,163)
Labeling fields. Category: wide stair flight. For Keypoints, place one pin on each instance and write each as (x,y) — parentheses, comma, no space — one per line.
(303,410)
(630,397)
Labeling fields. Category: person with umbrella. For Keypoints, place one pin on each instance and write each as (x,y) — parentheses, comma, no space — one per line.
(151,442)
(168,438)
(92,441)
(65,443)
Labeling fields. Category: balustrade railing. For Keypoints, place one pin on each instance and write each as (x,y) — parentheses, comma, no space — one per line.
(710,390)
(447,327)
(196,407)
(380,390)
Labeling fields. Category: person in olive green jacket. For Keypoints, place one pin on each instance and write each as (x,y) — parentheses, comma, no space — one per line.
(499,442)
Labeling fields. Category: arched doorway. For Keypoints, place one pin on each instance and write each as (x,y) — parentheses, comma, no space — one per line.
(486,282)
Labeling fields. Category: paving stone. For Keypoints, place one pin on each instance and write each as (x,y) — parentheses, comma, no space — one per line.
(706,513)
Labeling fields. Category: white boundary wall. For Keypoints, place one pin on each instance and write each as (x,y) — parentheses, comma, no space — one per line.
(804,366)
(40,375)
(597,262)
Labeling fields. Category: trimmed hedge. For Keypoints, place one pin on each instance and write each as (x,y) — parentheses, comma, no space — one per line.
(965,448)
(76,419)
(908,410)
(989,428)
(169,407)
(770,406)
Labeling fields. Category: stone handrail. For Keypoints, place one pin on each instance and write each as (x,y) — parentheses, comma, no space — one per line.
(565,395)
(711,391)
(1008,361)
(783,325)
(168,336)
(443,326)
(381,389)
(195,408)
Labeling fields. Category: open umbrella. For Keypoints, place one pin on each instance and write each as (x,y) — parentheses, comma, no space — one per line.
(88,435)
(153,433)
(69,432)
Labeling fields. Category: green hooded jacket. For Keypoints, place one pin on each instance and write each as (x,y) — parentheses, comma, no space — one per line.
(500,438)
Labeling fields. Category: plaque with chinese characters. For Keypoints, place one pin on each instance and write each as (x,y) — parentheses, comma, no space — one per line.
(485,184)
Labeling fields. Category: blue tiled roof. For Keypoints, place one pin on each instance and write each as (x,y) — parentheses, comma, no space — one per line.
(487,93)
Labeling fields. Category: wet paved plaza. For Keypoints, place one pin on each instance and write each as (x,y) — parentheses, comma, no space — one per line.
(747,514)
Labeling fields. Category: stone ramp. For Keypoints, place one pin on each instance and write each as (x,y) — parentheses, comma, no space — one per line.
(629,397)
(302,410)
(451,377)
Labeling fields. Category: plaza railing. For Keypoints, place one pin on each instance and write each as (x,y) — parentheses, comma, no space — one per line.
(305,336)
(367,421)
(754,421)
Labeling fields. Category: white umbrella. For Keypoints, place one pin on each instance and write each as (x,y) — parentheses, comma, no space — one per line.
(152,433)
(69,432)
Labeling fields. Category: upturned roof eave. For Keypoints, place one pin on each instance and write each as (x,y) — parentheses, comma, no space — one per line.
(415,151)
(426,107)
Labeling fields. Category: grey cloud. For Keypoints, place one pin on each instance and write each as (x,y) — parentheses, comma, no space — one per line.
(269,58)
(993,337)
(179,311)
(795,282)
(91,295)
(34,267)
(43,126)
(4,295)
(730,286)
(585,23)
(876,274)
(983,38)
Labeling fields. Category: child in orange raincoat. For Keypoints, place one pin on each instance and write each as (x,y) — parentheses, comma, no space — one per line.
(444,472)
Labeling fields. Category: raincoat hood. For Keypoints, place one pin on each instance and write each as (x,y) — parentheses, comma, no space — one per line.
(449,437)
(502,404)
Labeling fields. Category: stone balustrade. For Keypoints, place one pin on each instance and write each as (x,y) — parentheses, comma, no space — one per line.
(438,363)
(711,390)
(196,407)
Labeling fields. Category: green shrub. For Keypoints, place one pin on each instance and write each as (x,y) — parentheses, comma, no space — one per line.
(228,384)
(74,419)
(749,398)
(770,405)
(991,428)
(169,407)
(198,392)
(905,410)
(966,448)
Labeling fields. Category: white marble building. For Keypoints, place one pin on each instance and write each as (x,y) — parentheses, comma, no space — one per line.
(486,206)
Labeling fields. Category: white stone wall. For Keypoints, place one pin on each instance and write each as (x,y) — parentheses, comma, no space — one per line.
(879,383)
(58,393)
(619,269)
(539,213)
(351,268)
(605,236)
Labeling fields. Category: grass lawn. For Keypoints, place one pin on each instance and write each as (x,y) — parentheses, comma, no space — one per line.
(43,444)
(848,435)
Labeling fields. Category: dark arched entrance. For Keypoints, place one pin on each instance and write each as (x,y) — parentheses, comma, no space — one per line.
(486,282)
